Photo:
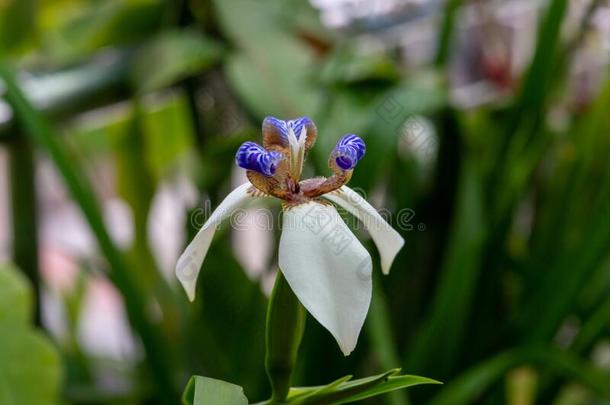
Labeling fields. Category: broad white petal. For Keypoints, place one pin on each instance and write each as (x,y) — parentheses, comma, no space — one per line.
(328,269)
(189,263)
(388,241)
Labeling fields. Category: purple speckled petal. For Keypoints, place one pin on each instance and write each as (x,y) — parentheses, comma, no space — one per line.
(275,130)
(298,124)
(252,156)
(348,151)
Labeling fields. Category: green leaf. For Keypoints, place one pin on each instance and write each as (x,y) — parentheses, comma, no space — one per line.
(159,117)
(347,65)
(471,384)
(343,391)
(524,141)
(275,84)
(536,82)
(271,69)
(171,116)
(440,340)
(379,331)
(445,38)
(17,23)
(15,297)
(36,126)
(208,391)
(392,383)
(113,22)
(28,359)
(175,56)
(306,392)
(576,180)
(136,184)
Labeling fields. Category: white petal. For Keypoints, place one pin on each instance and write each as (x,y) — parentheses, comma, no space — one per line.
(302,137)
(328,269)
(292,140)
(189,263)
(388,241)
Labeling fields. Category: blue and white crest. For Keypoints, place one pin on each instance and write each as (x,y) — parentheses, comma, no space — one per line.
(277,131)
(252,156)
(348,151)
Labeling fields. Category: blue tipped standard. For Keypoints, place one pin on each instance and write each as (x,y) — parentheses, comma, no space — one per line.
(281,127)
(348,151)
(252,156)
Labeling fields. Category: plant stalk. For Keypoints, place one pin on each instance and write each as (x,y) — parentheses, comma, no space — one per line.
(23,206)
(285,326)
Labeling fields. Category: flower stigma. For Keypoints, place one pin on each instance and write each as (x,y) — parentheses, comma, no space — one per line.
(275,168)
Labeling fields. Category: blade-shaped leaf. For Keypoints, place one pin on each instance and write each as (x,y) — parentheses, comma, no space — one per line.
(439,341)
(208,391)
(472,383)
(390,384)
(177,55)
(344,391)
(300,393)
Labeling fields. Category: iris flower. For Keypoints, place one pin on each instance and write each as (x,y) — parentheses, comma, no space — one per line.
(326,266)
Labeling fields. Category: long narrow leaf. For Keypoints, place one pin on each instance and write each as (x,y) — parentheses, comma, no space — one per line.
(438,344)
(42,134)
(474,382)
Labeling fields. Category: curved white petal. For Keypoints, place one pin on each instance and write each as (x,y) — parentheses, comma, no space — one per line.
(328,269)
(189,263)
(388,241)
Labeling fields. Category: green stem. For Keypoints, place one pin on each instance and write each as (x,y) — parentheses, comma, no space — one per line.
(285,326)
(23,205)
(379,329)
(446,34)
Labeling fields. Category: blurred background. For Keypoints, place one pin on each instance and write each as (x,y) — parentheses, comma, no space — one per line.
(487,122)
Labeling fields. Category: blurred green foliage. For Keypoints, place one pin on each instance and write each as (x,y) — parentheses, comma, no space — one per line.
(28,358)
(507,249)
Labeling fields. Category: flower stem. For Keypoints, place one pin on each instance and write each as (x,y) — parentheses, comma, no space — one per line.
(285,325)
(23,193)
